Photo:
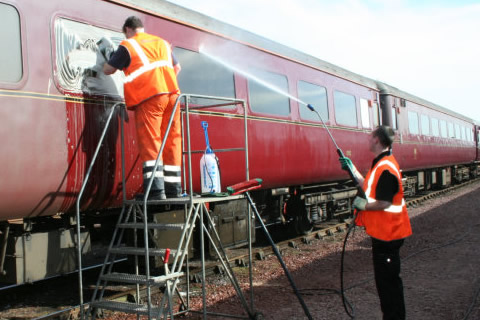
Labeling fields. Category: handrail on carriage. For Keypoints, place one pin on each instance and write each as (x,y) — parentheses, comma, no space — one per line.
(80,194)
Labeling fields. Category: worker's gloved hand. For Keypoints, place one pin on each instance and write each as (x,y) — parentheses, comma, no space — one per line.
(359,203)
(106,47)
(346,163)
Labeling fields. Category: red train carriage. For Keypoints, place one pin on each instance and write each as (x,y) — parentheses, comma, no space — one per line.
(435,146)
(55,100)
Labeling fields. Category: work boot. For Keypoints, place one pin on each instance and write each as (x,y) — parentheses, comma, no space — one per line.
(157,191)
(173,181)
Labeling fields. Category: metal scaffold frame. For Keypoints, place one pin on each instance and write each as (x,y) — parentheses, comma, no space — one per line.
(195,209)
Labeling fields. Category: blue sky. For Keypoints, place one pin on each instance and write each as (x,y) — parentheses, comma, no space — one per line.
(428,48)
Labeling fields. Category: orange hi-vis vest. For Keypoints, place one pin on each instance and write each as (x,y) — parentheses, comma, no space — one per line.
(151,69)
(393,222)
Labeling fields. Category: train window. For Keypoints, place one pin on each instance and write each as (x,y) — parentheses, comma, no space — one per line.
(203,76)
(345,109)
(79,63)
(464,134)
(11,45)
(376,115)
(451,132)
(394,118)
(435,129)
(425,123)
(264,99)
(365,114)
(443,129)
(413,122)
(317,96)
(457,132)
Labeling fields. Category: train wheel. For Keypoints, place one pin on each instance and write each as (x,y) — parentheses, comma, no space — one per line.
(302,220)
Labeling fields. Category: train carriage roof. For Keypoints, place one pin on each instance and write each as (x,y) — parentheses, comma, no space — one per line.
(390,90)
(200,21)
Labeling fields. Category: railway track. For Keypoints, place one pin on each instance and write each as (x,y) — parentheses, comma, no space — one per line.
(238,257)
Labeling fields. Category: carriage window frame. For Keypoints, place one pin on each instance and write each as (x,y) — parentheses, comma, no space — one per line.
(435,127)
(11,35)
(376,115)
(451,130)
(413,126)
(457,132)
(203,76)
(79,63)
(443,129)
(266,100)
(317,96)
(345,106)
(364,113)
(394,118)
(425,124)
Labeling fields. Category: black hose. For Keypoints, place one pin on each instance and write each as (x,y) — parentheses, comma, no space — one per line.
(275,250)
(346,303)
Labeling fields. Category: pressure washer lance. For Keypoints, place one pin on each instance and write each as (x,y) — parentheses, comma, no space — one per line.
(361,193)
(244,187)
(340,154)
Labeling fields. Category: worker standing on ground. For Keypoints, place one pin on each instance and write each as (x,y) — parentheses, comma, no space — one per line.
(385,218)
(151,90)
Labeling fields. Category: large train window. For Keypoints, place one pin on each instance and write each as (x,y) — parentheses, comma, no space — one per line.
(376,115)
(443,129)
(451,132)
(413,122)
(203,76)
(394,118)
(79,62)
(425,123)
(365,114)
(435,129)
(11,53)
(268,99)
(345,109)
(457,132)
(464,134)
(315,95)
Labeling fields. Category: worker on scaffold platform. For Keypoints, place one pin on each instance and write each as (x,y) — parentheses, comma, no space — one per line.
(151,90)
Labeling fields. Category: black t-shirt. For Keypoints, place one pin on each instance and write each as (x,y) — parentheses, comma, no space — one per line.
(387,185)
(121,58)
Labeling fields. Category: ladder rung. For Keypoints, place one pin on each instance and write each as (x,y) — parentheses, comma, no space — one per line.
(162,279)
(139,278)
(181,200)
(124,307)
(126,278)
(141,251)
(160,226)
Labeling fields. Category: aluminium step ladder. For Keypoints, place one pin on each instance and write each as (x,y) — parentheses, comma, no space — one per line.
(134,217)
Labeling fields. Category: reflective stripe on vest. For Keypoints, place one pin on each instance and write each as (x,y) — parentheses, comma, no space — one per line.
(368,192)
(147,65)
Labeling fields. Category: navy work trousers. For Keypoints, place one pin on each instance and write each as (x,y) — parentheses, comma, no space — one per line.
(386,264)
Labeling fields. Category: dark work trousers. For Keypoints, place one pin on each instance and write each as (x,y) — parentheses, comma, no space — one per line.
(386,265)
